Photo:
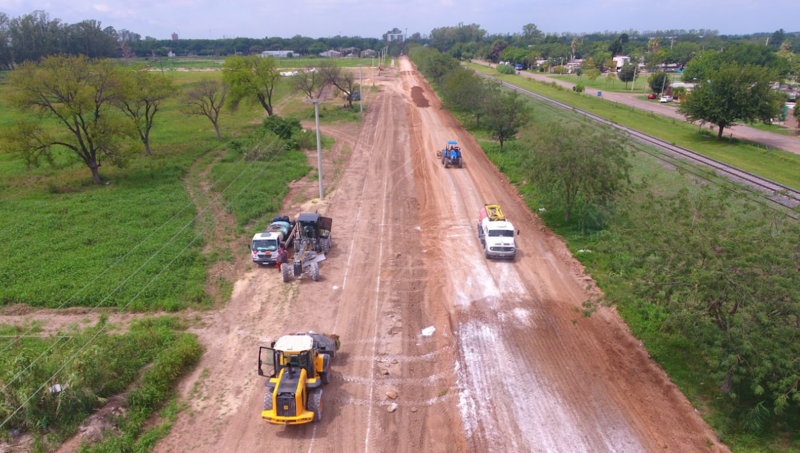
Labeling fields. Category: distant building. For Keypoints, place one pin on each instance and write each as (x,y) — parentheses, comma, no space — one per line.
(368,53)
(396,37)
(621,60)
(330,54)
(277,53)
(174,36)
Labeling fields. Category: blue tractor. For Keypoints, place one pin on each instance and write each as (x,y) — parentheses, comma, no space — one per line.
(451,155)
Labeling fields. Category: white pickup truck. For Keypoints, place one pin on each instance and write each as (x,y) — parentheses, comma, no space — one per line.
(496,233)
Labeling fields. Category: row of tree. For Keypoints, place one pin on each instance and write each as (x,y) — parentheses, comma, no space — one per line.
(102,111)
(500,112)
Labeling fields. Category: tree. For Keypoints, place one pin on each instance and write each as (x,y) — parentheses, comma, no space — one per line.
(610,78)
(579,72)
(593,74)
(626,73)
(345,81)
(310,82)
(465,91)
(251,78)
(777,39)
(724,278)
(75,94)
(143,92)
(732,94)
(531,32)
(206,99)
(658,81)
(679,93)
(574,47)
(579,164)
(504,114)
(317,48)
(615,47)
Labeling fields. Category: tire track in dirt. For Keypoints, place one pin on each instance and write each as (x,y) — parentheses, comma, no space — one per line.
(529,378)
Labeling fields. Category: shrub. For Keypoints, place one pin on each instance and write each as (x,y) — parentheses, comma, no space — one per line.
(579,88)
(505,69)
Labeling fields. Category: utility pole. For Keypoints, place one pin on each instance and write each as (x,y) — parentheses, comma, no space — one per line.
(319,149)
(372,67)
(360,91)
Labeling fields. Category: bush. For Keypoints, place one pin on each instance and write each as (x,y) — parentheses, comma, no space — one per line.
(505,69)
(659,82)
(579,88)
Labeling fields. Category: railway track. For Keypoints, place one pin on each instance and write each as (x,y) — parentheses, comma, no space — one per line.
(774,192)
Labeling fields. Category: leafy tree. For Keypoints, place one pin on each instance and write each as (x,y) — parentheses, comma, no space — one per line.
(725,278)
(497,47)
(505,69)
(579,164)
(206,99)
(251,78)
(680,93)
(615,47)
(344,80)
(6,53)
(531,31)
(75,94)
(593,74)
(579,72)
(143,92)
(309,81)
(317,48)
(658,81)
(611,78)
(626,73)
(777,39)
(703,65)
(465,91)
(734,93)
(504,114)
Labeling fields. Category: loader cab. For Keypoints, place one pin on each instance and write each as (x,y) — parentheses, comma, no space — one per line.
(294,352)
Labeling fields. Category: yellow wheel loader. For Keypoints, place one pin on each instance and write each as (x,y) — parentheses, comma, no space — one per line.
(300,365)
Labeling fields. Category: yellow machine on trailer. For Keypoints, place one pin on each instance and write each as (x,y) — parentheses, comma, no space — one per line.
(300,366)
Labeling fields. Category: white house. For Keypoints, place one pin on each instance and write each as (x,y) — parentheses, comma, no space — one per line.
(330,54)
(621,60)
(277,53)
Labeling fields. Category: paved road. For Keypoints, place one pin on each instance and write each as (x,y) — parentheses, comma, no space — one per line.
(742,132)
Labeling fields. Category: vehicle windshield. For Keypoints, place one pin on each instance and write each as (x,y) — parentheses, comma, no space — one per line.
(501,233)
(265,245)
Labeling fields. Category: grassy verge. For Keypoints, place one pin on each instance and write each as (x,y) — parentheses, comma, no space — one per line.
(60,231)
(602,84)
(110,364)
(777,165)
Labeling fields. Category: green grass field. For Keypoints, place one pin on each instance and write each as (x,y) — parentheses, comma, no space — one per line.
(134,241)
(147,359)
(777,165)
(602,83)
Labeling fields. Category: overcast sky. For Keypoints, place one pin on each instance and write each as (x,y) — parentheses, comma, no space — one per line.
(323,18)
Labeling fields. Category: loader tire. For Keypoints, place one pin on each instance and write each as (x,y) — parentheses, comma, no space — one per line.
(315,272)
(286,272)
(325,378)
(315,404)
(268,400)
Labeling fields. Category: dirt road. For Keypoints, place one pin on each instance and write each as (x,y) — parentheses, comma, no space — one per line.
(740,131)
(510,367)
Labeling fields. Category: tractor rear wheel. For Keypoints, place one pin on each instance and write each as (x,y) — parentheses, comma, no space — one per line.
(315,404)
(315,272)
(286,272)
(268,400)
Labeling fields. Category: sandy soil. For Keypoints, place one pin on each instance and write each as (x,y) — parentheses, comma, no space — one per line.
(740,131)
(511,366)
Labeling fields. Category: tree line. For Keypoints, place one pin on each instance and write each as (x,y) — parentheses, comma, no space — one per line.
(101,111)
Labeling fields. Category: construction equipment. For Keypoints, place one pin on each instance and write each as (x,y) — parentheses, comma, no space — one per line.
(496,233)
(300,367)
(451,155)
(264,246)
(312,240)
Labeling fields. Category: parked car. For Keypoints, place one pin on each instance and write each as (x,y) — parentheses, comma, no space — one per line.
(665,99)
(651,96)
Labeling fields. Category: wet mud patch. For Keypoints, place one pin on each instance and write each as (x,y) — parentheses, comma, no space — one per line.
(419,97)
